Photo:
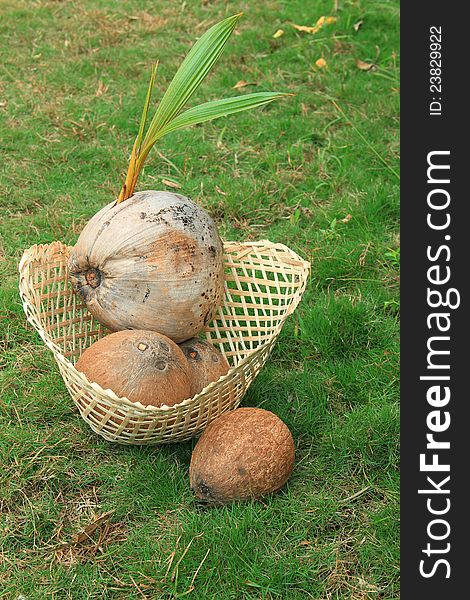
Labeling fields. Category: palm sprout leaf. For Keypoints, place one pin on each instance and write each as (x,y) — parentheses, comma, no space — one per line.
(169,117)
(197,64)
(218,108)
(143,120)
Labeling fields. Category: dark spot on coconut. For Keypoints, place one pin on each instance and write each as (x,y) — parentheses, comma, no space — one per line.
(155,217)
(82,288)
(164,346)
(179,214)
(142,215)
(204,489)
(193,353)
(147,294)
(93,277)
(161,365)
(207,317)
(215,358)
(212,250)
(241,471)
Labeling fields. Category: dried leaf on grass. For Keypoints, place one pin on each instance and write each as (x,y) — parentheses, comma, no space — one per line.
(321,63)
(278,33)
(366,585)
(87,531)
(305,28)
(172,184)
(85,544)
(365,66)
(242,83)
(358,25)
(101,89)
(318,25)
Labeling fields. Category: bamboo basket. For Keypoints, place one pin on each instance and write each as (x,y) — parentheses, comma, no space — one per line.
(264,283)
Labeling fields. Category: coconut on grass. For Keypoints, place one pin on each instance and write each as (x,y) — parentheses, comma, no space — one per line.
(243,454)
(153,260)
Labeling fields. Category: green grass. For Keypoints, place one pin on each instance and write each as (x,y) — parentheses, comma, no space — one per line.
(317,172)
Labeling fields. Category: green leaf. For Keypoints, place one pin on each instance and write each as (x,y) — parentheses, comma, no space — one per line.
(197,64)
(219,108)
(168,116)
(143,120)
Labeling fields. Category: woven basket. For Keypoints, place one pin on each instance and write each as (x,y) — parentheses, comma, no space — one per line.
(264,282)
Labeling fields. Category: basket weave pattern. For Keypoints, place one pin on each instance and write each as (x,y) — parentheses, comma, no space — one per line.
(264,282)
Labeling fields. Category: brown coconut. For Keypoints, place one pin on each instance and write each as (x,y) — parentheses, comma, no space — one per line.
(153,262)
(206,363)
(245,453)
(143,366)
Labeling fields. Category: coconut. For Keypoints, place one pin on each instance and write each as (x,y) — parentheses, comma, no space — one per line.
(143,366)
(206,363)
(245,453)
(153,262)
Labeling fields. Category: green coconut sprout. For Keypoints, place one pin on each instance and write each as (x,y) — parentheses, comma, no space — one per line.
(169,117)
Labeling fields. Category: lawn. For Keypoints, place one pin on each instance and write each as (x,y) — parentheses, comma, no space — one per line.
(317,171)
